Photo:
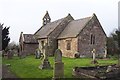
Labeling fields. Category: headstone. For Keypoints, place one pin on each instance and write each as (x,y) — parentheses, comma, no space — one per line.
(93,52)
(59,65)
(94,61)
(45,63)
(37,54)
(105,53)
(9,54)
(22,54)
(58,56)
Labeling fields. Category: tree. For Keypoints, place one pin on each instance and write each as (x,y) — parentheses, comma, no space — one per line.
(111,46)
(116,37)
(5,37)
(13,45)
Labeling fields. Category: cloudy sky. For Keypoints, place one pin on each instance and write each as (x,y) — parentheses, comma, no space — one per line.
(26,15)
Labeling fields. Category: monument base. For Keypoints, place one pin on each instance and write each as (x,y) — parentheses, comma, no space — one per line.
(45,65)
(59,71)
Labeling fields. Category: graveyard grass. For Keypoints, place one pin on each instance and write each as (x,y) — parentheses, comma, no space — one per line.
(28,67)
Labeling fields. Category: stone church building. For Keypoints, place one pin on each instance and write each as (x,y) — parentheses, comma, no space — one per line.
(72,36)
(28,44)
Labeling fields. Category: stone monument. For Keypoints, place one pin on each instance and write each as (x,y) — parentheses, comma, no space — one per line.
(94,61)
(105,52)
(37,54)
(45,63)
(9,54)
(59,65)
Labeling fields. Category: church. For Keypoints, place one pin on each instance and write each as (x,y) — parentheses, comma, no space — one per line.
(72,36)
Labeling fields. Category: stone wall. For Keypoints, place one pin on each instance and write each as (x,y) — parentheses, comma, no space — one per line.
(30,48)
(52,38)
(84,39)
(62,45)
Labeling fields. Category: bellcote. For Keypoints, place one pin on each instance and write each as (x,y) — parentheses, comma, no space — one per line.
(46,18)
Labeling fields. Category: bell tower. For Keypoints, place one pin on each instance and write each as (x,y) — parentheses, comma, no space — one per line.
(46,18)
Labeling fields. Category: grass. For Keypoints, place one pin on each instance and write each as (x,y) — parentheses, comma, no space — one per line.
(28,67)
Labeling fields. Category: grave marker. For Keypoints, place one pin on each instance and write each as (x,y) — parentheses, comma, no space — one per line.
(59,65)
(94,61)
(45,63)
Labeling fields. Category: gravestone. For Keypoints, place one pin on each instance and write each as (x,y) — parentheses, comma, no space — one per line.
(22,54)
(59,65)
(94,61)
(9,54)
(37,54)
(105,52)
(45,63)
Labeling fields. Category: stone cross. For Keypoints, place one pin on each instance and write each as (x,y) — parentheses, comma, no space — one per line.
(94,54)
(94,61)
(45,63)
(59,65)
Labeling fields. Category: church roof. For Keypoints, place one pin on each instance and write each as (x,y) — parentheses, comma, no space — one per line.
(29,38)
(44,31)
(74,28)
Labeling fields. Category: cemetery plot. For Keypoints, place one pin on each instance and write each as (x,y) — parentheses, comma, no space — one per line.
(97,72)
(28,67)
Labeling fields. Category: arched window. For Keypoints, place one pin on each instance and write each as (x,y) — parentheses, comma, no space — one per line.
(68,46)
(92,39)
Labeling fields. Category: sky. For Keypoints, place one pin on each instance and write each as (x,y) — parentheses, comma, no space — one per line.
(119,15)
(26,15)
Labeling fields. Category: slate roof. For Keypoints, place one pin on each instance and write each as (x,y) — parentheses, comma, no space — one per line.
(44,31)
(74,28)
(28,38)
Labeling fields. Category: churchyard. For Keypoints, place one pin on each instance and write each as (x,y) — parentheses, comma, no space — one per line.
(28,67)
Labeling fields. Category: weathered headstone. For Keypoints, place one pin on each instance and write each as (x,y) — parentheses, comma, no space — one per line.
(9,54)
(37,54)
(45,63)
(94,54)
(105,52)
(22,54)
(59,65)
(94,61)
